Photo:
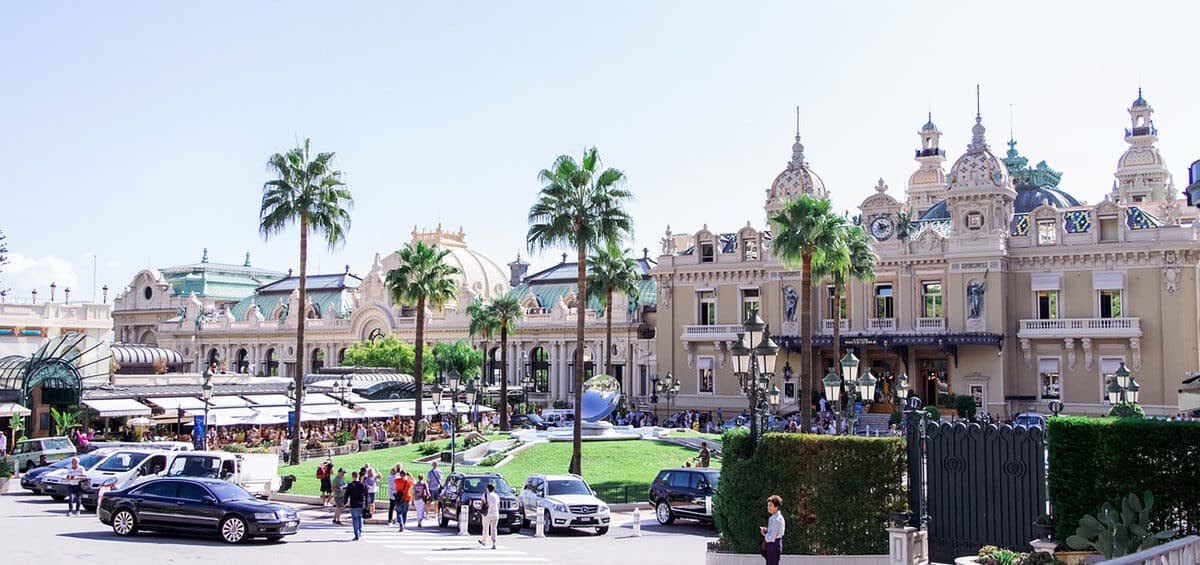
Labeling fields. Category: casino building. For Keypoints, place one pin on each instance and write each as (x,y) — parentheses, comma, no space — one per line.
(993,281)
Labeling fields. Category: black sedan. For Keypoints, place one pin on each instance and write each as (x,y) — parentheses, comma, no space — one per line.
(528,421)
(29,481)
(199,506)
(469,490)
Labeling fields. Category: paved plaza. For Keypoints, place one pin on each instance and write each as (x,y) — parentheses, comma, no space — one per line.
(47,535)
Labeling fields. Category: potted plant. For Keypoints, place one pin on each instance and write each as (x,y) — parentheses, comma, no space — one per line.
(1043,527)
(6,473)
(1117,533)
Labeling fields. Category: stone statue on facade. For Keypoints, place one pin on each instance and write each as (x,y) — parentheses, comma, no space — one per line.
(182,312)
(975,290)
(790,299)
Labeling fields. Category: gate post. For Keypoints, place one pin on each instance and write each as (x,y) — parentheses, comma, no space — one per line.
(914,441)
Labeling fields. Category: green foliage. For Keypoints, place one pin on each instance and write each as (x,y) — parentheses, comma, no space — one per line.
(387,351)
(65,420)
(458,356)
(895,418)
(16,423)
(235,448)
(838,491)
(1115,534)
(6,467)
(562,404)
(992,555)
(933,413)
(964,404)
(1099,460)
(611,270)
(342,438)
(1127,410)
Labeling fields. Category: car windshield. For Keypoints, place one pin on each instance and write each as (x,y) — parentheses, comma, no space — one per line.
(122,461)
(1028,420)
(711,477)
(567,486)
(479,484)
(228,491)
(61,464)
(88,461)
(57,444)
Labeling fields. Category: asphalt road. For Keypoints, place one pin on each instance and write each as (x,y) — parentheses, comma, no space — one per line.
(37,530)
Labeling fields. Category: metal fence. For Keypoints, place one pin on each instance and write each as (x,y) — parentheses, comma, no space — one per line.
(622,494)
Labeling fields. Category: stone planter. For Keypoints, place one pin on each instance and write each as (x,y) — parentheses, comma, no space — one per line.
(4,485)
(713,558)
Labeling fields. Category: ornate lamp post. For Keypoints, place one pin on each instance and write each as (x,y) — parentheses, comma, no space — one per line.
(669,389)
(452,388)
(53,287)
(473,398)
(864,391)
(527,385)
(206,391)
(754,368)
(341,386)
(654,395)
(1123,387)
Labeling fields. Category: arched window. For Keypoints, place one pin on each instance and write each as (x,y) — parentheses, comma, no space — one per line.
(539,367)
(242,365)
(272,363)
(318,360)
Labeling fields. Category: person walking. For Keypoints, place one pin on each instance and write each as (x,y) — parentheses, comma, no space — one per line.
(772,545)
(371,482)
(435,488)
(325,474)
(75,477)
(339,495)
(391,485)
(356,496)
(491,515)
(403,497)
(704,457)
(420,497)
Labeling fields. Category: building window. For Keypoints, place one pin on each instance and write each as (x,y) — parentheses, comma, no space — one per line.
(706,252)
(1108,229)
(883,301)
(1049,378)
(931,292)
(706,380)
(829,295)
(749,249)
(1047,304)
(750,303)
(707,314)
(1047,232)
(643,379)
(1110,304)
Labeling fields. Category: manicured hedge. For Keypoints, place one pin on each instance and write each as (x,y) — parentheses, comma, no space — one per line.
(1094,460)
(838,491)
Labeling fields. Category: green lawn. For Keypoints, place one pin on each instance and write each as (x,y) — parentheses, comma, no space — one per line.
(689,433)
(607,465)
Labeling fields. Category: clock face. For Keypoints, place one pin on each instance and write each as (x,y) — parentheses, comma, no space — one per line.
(882,228)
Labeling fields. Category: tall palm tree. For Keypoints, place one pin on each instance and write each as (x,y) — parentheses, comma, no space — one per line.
(580,205)
(424,280)
(611,270)
(507,311)
(851,258)
(308,191)
(484,325)
(805,227)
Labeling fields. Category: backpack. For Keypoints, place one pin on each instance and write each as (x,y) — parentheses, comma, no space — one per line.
(483,507)
(323,471)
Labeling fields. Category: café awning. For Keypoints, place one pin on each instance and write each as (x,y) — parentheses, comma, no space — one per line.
(7,409)
(118,407)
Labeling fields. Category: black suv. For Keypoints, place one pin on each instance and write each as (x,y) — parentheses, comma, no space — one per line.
(683,493)
(469,489)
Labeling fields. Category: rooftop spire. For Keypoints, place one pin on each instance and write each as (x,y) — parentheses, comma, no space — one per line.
(247,263)
(204,258)
(798,115)
(977,141)
(797,147)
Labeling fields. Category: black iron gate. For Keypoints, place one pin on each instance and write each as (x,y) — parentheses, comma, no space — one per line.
(983,485)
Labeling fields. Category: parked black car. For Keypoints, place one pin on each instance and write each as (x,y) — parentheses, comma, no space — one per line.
(29,481)
(469,489)
(201,506)
(528,421)
(683,493)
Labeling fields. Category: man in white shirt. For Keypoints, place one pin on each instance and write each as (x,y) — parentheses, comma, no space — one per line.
(773,532)
(3,444)
(75,477)
(491,515)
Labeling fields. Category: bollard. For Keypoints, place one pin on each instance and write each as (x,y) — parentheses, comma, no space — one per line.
(539,530)
(464,516)
(637,522)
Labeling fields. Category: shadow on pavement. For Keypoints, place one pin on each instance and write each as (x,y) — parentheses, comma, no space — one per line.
(156,538)
(678,528)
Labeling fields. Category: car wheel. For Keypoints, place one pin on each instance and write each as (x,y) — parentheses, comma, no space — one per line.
(601,530)
(443,521)
(514,530)
(548,523)
(58,497)
(663,513)
(124,523)
(233,529)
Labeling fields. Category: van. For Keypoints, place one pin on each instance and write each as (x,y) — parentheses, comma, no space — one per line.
(121,469)
(36,452)
(559,417)
(163,445)
(258,473)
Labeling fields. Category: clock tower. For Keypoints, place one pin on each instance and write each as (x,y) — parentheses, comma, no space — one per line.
(980,197)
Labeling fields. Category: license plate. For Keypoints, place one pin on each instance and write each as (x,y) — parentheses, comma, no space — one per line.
(587,520)
(292,523)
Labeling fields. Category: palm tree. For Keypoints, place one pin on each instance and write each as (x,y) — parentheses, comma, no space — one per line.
(851,258)
(805,227)
(484,325)
(611,270)
(580,205)
(507,311)
(310,192)
(423,279)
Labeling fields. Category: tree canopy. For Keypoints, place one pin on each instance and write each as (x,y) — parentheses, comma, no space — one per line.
(389,352)
(459,356)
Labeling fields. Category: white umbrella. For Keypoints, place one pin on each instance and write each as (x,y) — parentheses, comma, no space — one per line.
(260,419)
(139,421)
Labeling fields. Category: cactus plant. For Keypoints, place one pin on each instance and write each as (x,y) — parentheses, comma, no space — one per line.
(1114,533)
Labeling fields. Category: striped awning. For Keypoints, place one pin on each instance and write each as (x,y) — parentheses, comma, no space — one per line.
(133,354)
(7,409)
(117,407)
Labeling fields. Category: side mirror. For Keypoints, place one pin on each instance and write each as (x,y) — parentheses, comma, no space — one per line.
(208,500)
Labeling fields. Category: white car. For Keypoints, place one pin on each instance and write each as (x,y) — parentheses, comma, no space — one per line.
(565,501)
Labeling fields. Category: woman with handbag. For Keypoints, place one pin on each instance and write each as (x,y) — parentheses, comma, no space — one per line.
(772,544)
(420,497)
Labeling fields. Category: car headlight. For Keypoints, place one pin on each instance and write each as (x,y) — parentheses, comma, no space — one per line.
(109,482)
(604,508)
(558,507)
(264,515)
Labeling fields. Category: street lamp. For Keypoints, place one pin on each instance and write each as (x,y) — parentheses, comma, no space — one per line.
(206,391)
(341,386)
(452,380)
(293,396)
(1122,387)
(754,368)
(527,385)
(669,389)
(858,390)
(654,395)
(471,397)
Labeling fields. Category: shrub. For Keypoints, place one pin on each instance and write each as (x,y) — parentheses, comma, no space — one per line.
(1127,410)
(314,443)
(896,418)
(6,467)
(1116,534)
(235,448)
(838,491)
(964,404)
(1099,460)
(992,555)
(933,413)
(562,404)
(342,438)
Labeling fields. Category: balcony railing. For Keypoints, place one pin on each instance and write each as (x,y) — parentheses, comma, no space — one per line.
(881,324)
(931,324)
(827,326)
(711,332)
(1081,327)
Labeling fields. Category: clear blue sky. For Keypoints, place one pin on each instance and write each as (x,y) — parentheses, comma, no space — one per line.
(138,132)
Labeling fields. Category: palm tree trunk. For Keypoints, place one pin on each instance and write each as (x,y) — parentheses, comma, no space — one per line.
(483,370)
(419,363)
(608,334)
(580,309)
(806,340)
(300,339)
(504,375)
